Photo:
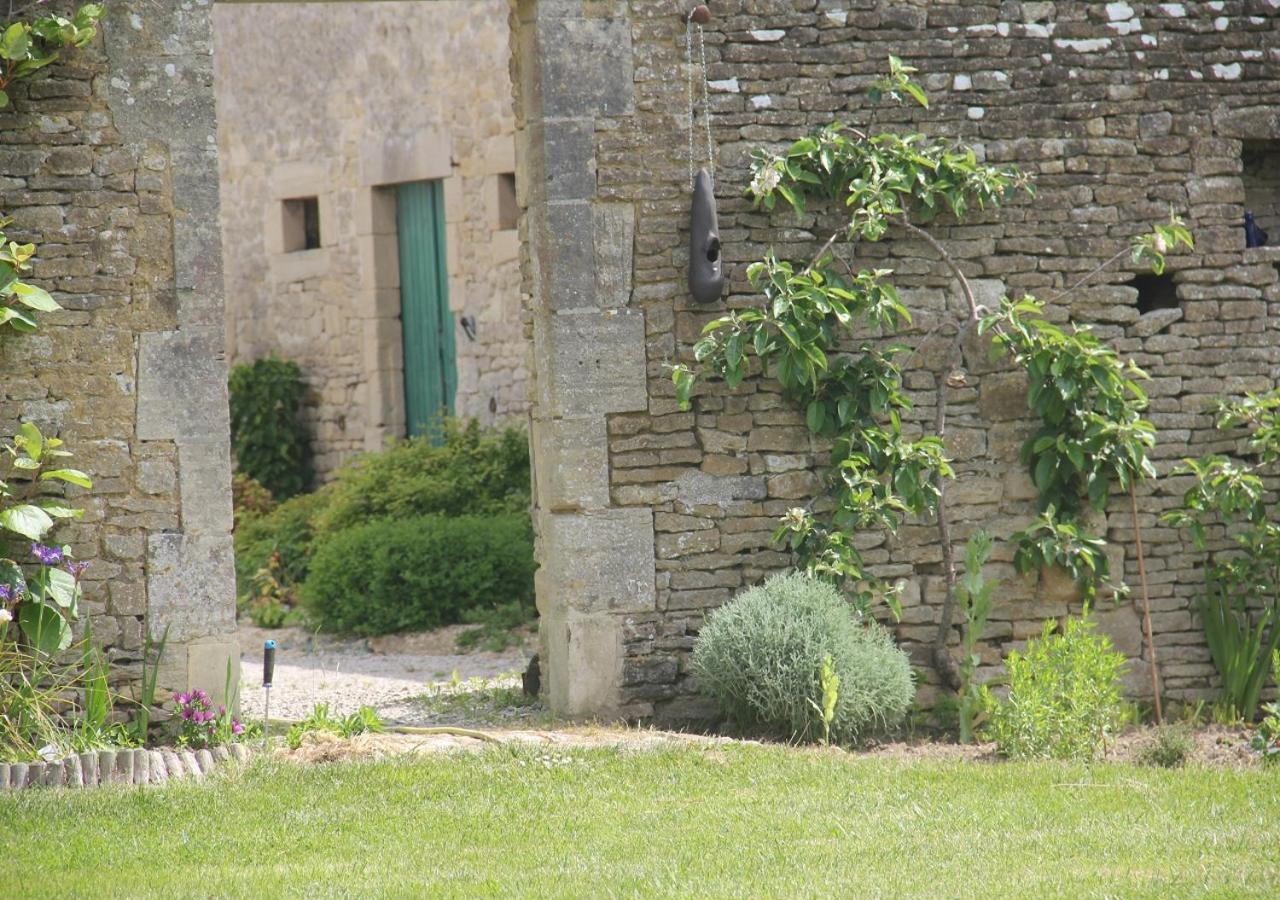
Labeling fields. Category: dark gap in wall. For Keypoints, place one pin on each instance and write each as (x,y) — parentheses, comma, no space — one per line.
(301,224)
(508,209)
(1155,291)
(1260,172)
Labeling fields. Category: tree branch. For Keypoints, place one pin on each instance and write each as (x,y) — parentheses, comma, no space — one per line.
(950,262)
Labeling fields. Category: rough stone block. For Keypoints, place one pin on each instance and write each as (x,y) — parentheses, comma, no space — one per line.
(585,66)
(571,459)
(594,363)
(596,562)
(191,585)
(614,232)
(182,385)
(583,662)
(209,663)
(205,472)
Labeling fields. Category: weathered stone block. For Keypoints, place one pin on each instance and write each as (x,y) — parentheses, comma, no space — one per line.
(190,585)
(182,385)
(596,562)
(595,362)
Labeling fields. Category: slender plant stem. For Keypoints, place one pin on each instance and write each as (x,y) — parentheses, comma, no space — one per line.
(822,251)
(1089,276)
(1146,600)
(950,262)
(943,662)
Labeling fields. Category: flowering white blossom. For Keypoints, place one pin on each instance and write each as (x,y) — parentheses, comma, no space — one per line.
(766,179)
(5,615)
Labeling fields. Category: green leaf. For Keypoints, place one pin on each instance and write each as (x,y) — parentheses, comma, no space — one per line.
(31,522)
(58,511)
(15,42)
(44,627)
(57,585)
(917,93)
(71,476)
(34,298)
(816,415)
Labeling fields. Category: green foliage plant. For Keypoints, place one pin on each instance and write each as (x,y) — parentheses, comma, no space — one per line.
(363,721)
(1065,699)
(415,574)
(824,331)
(1266,739)
(270,441)
(973,596)
(472,470)
(829,681)
(762,656)
(1240,607)
(287,531)
(249,499)
(812,314)
(1169,747)
(27,47)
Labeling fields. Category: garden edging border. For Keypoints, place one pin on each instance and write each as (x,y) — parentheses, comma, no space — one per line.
(136,766)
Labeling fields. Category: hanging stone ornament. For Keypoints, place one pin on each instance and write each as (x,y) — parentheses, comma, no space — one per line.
(706,268)
(706,271)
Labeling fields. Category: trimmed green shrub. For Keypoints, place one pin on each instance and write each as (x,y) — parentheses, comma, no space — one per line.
(475,471)
(269,440)
(761,657)
(414,574)
(1065,698)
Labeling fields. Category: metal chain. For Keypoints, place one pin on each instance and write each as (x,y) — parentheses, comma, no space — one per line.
(706,99)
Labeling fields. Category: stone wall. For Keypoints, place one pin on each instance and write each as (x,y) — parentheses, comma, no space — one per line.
(417,91)
(108,163)
(647,516)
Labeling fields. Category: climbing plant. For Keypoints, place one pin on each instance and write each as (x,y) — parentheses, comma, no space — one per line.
(821,331)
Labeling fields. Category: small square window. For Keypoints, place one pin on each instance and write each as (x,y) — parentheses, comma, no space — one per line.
(301,224)
(1260,164)
(508,209)
(1155,291)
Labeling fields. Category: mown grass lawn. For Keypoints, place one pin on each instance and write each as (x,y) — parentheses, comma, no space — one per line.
(721,821)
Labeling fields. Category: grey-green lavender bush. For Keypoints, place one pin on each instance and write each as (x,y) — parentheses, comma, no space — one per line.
(761,657)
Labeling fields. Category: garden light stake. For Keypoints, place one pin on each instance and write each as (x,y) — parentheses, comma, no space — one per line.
(268,670)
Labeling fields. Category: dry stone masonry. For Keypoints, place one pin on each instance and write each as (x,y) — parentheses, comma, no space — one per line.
(109,165)
(649,517)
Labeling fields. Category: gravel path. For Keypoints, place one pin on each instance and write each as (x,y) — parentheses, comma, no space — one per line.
(385,673)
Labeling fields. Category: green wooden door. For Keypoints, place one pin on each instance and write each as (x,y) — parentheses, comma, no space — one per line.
(430,363)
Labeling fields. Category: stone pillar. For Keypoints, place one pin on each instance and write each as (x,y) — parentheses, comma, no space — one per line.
(574,78)
(160,93)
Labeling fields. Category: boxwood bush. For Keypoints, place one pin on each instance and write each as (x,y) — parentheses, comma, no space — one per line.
(268,437)
(760,657)
(474,471)
(420,573)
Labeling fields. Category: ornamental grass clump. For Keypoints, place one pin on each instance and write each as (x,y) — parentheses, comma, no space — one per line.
(762,657)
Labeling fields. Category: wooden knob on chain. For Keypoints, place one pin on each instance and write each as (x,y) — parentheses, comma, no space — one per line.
(701,14)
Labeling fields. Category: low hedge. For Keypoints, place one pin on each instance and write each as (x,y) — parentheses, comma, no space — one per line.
(288,528)
(420,573)
(473,471)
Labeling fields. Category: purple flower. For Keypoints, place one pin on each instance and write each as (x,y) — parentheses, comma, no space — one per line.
(6,592)
(47,556)
(236,727)
(77,568)
(182,699)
